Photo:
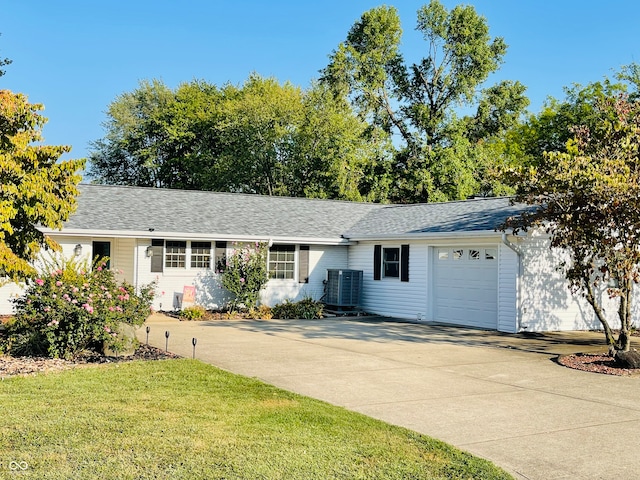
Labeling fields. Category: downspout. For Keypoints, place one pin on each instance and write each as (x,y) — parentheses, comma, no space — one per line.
(518,252)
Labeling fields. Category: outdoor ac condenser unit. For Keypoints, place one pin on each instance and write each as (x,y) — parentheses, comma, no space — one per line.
(344,288)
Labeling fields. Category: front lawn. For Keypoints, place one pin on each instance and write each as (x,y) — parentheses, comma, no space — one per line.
(183,419)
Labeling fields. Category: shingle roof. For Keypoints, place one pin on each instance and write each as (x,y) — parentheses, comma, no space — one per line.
(136,209)
(476,215)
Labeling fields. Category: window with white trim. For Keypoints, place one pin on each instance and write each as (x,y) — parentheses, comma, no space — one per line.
(282,261)
(200,254)
(391,262)
(175,255)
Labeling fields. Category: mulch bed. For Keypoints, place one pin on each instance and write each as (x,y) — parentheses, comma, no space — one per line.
(596,363)
(23,366)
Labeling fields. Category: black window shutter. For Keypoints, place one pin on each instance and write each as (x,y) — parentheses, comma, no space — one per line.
(404,263)
(377,261)
(157,258)
(303,264)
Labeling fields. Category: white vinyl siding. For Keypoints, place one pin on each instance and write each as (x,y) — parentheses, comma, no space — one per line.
(321,258)
(546,302)
(508,271)
(388,296)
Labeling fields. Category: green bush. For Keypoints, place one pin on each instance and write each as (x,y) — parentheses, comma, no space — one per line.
(74,306)
(307,308)
(194,312)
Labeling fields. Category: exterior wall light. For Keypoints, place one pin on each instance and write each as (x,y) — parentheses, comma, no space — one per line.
(77,250)
(149,251)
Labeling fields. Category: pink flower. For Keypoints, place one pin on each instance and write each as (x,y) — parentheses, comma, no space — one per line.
(119,308)
(242,280)
(107,329)
(74,301)
(87,307)
(111,309)
(75,289)
(47,309)
(99,269)
(58,283)
(39,281)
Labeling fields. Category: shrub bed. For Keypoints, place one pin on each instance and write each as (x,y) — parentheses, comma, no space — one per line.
(73,307)
(306,308)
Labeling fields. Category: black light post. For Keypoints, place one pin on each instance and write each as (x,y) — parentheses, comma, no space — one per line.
(193,342)
(166,344)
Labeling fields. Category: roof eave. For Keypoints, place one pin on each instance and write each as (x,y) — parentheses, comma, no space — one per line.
(425,235)
(146,234)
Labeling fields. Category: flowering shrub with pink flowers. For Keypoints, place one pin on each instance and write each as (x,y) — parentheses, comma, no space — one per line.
(246,274)
(72,307)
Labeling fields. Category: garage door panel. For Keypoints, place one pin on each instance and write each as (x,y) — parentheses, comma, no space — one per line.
(465,286)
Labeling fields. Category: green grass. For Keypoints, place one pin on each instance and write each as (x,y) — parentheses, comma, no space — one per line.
(183,419)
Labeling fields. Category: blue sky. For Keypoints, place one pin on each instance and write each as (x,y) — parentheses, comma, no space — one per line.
(76,57)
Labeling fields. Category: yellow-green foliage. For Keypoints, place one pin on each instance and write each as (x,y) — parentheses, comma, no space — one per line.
(194,312)
(263,312)
(35,188)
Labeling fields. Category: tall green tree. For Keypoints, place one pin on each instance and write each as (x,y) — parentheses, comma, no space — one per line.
(138,141)
(587,197)
(36,188)
(260,137)
(258,129)
(421,103)
(550,129)
(337,153)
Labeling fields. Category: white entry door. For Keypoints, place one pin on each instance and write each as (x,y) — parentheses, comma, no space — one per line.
(465,286)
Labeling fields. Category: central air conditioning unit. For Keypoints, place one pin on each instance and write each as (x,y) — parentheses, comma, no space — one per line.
(344,288)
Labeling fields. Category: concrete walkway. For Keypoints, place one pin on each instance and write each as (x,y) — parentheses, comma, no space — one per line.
(501,397)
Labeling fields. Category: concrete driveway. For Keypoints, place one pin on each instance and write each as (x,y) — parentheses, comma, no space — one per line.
(498,396)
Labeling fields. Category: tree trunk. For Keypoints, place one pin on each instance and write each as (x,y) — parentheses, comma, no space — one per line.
(624,313)
(610,337)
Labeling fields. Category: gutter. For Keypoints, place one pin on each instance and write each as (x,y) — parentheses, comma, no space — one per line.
(423,235)
(511,245)
(150,234)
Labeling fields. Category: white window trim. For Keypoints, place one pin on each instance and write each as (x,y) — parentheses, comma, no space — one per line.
(382,269)
(296,264)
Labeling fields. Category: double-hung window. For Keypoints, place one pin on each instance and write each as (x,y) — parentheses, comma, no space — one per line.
(175,254)
(200,254)
(282,260)
(391,262)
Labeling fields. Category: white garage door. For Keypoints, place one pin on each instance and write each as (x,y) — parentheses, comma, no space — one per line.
(465,286)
